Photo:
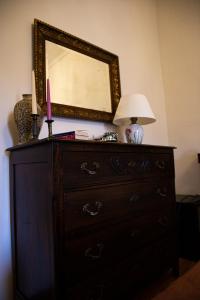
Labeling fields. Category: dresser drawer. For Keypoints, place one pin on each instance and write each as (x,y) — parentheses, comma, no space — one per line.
(123,278)
(92,206)
(86,253)
(85,168)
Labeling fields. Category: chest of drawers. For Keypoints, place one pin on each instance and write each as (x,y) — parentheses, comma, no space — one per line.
(90,220)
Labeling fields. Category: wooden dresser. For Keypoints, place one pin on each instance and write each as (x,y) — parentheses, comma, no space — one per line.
(90,220)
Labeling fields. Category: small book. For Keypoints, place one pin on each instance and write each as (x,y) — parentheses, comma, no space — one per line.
(72,135)
(65,136)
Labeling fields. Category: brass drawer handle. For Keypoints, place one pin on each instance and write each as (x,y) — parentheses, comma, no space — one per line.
(145,164)
(96,292)
(117,166)
(163,221)
(162,192)
(134,198)
(132,164)
(90,252)
(160,164)
(86,208)
(135,233)
(90,172)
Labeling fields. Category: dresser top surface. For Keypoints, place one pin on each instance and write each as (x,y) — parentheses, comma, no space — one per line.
(86,142)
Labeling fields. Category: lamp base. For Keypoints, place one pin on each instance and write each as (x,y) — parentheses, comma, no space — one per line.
(134,134)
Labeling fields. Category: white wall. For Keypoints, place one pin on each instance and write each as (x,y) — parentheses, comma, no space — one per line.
(179,31)
(127,28)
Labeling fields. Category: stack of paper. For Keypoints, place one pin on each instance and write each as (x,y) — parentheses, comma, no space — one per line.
(81,135)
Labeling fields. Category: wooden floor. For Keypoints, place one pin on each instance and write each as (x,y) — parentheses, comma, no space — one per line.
(153,289)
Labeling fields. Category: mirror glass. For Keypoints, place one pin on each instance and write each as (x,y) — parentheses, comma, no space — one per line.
(77,79)
(84,78)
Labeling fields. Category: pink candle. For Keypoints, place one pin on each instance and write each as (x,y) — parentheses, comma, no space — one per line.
(48,101)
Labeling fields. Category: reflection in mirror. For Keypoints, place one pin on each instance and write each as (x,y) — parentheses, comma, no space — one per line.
(77,79)
(84,78)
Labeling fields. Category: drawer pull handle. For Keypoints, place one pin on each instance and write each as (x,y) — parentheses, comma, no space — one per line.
(96,292)
(160,164)
(162,193)
(134,233)
(119,167)
(163,221)
(90,252)
(90,172)
(144,165)
(134,198)
(86,208)
(132,164)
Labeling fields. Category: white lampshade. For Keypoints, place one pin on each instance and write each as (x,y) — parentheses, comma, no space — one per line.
(133,106)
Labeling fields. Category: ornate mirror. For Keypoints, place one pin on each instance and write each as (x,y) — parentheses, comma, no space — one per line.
(84,78)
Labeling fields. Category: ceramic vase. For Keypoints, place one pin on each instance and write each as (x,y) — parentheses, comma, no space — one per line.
(23,119)
(134,134)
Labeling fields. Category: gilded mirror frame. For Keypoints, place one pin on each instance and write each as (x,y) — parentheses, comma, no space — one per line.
(45,32)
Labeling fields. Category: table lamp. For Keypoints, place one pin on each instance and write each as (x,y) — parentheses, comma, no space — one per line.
(134,110)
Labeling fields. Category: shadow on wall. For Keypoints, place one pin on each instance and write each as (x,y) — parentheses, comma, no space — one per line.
(187,174)
(12,128)
(7,291)
(9,286)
